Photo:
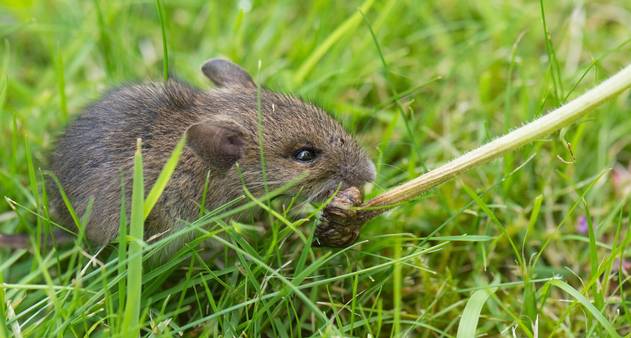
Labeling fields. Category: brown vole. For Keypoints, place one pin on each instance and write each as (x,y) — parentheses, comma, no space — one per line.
(222,130)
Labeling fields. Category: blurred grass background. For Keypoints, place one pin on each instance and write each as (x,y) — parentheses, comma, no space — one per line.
(454,75)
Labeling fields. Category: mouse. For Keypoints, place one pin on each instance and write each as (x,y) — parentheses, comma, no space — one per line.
(226,127)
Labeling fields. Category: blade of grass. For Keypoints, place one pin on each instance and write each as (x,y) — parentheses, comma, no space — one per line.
(4,77)
(163,178)
(122,252)
(611,331)
(4,329)
(485,207)
(593,257)
(61,82)
(131,320)
(396,97)
(345,28)
(105,40)
(529,294)
(165,49)
(397,280)
(202,203)
(471,313)
(555,69)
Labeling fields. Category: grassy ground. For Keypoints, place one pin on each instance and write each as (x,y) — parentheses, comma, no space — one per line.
(539,241)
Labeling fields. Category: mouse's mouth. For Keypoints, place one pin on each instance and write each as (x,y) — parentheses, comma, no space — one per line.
(315,193)
(326,191)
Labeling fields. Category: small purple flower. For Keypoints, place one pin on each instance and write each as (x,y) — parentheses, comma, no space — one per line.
(581,225)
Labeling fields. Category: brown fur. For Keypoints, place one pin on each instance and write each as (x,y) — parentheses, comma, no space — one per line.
(98,148)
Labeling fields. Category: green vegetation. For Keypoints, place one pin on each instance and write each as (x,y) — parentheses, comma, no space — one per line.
(537,243)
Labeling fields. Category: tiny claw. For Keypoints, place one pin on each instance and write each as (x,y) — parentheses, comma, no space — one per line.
(339,224)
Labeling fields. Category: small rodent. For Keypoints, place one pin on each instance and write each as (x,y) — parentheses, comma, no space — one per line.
(222,129)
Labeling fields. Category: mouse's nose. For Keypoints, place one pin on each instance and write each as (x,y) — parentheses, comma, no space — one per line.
(360,174)
(371,172)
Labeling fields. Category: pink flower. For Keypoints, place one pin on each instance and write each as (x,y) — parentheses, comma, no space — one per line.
(581,225)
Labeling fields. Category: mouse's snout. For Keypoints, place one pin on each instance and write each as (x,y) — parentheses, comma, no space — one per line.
(357,175)
(371,172)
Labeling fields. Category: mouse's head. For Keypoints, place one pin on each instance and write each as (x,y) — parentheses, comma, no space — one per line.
(299,140)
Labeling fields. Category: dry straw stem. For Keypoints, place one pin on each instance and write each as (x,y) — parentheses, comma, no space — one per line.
(551,122)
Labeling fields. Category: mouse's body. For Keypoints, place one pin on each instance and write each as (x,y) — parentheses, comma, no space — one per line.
(222,128)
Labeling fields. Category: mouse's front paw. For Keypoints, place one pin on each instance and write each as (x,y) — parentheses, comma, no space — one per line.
(339,224)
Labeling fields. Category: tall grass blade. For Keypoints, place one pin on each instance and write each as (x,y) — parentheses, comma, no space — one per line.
(165,48)
(131,320)
(345,28)
(4,77)
(611,331)
(122,251)
(164,177)
(4,328)
(593,257)
(105,39)
(471,314)
(555,69)
(414,151)
(61,83)
(529,295)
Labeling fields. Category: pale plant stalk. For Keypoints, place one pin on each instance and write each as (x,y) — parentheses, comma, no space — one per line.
(551,122)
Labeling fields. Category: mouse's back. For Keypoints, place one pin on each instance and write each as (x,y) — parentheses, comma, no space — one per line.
(96,149)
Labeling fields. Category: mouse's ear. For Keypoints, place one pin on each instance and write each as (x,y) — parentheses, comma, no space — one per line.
(224,73)
(219,143)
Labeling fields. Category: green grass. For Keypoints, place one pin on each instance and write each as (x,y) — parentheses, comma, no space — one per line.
(418,82)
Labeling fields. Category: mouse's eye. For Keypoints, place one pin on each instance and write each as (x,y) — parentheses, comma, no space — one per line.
(305,154)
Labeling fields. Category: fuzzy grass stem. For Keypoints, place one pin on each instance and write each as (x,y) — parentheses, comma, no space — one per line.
(546,124)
